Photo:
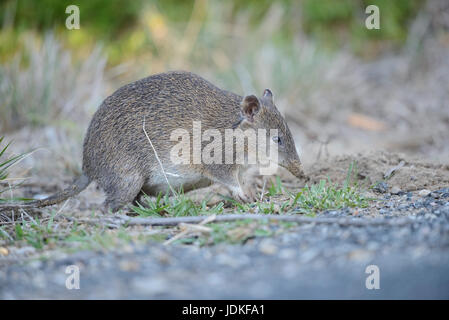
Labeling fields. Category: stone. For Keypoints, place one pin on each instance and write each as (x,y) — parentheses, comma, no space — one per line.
(381,187)
(267,247)
(4,251)
(395,190)
(424,193)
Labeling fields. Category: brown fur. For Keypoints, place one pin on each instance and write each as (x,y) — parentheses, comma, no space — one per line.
(118,156)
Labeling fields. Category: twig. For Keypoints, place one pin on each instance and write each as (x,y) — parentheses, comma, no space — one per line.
(392,171)
(62,207)
(6,234)
(157,158)
(263,189)
(31,218)
(260,217)
(120,220)
(188,230)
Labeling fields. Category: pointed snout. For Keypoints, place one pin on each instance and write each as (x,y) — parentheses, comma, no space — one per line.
(295,168)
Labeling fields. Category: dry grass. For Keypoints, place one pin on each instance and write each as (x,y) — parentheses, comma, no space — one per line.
(395,102)
(43,84)
(335,100)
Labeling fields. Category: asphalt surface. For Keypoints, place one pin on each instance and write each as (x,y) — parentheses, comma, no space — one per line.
(309,261)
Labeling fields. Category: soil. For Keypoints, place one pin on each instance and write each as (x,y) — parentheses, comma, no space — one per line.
(303,261)
(397,103)
(375,167)
(307,261)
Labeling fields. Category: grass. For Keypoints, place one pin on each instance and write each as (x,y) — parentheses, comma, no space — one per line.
(49,232)
(325,195)
(52,78)
(328,196)
(235,232)
(47,80)
(5,165)
(176,206)
(36,233)
(42,85)
(331,196)
(128,29)
(41,233)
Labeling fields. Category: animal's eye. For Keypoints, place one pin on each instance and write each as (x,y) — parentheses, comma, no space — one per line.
(278,140)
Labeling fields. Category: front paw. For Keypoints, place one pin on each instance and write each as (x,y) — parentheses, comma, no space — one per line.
(247,195)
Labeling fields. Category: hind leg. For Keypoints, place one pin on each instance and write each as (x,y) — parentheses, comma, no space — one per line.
(121,191)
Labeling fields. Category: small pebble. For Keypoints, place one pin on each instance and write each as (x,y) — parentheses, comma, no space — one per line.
(287,253)
(435,195)
(424,193)
(395,190)
(267,247)
(4,251)
(381,187)
(129,265)
(360,255)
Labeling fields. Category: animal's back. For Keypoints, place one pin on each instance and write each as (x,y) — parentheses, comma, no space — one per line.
(115,143)
(121,158)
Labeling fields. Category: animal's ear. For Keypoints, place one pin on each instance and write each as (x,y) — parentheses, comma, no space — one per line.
(267,94)
(250,106)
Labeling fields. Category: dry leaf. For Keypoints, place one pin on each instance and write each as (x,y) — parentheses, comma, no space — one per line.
(365,122)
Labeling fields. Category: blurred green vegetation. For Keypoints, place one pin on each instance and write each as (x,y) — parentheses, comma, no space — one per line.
(331,21)
(128,28)
(241,44)
(105,19)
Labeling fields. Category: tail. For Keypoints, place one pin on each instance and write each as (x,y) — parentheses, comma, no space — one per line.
(76,187)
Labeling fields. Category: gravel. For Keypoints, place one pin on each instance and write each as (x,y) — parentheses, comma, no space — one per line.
(307,261)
